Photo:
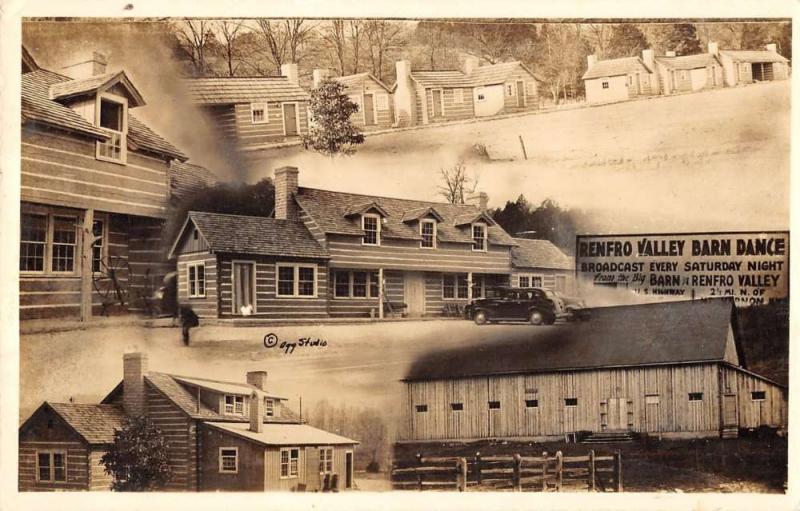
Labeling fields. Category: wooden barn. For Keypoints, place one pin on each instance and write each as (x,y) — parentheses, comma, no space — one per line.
(373,97)
(668,369)
(221,436)
(253,111)
(425,97)
(95,189)
(748,66)
(612,80)
(539,263)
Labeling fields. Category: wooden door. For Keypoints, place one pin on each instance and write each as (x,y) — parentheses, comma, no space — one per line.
(520,94)
(437,103)
(730,415)
(243,287)
(290,119)
(369,110)
(313,476)
(414,293)
(651,413)
(617,416)
(348,469)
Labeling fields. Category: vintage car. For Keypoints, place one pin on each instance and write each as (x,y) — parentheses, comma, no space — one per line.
(574,308)
(535,305)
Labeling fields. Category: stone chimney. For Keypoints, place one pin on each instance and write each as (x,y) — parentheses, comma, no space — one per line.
(134,397)
(471,64)
(591,60)
(87,67)
(480,199)
(713,48)
(290,71)
(286,184)
(256,412)
(404,95)
(649,59)
(257,379)
(319,75)
(670,53)
(772,47)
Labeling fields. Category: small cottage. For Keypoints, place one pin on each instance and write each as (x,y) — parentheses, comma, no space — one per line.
(668,369)
(748,66)
(539,263)
(373,97)
(690,73)
(612,80)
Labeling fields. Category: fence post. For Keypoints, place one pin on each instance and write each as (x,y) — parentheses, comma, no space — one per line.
(517,478)
(478,467)
(544,471)
(419,474)
(461,477)
(559,470)
(618,470)
(592,481)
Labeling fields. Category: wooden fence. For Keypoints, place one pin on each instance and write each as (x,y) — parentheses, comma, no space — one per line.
(547,472)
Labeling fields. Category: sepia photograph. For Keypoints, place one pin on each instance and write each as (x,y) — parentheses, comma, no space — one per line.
(401,256)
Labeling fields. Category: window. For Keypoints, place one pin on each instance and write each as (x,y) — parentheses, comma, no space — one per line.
(458,96)
(296,280)
(684,76)
(605,84)
(427,230)
(358,284)
(289,460)
(64,241)
(530,280)
(758,395)
(531,403)
(531,88)
(456,407)
(326,460)
(234,405)
(228,460)
(571,401)
(372,229)
(112,118)
(481,96)
(197,279)
(454,286)
(421,408)
(509,89)
(33,242)
(51,466)
(259,113)
(478,286)
(479,237)
(98,254)
(494,405)
(269,406)
(383,101)
(695,396)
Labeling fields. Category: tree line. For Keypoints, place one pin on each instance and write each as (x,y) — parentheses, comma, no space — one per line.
(556,52)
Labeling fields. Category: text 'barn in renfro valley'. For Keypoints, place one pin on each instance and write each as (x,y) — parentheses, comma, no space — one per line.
(668,369)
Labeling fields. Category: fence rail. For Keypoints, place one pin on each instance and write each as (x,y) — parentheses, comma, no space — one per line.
(547,472)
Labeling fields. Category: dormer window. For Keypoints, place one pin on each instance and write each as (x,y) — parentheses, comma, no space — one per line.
(234,405)
(372,229)
(479,237)
(112,117)
(427,230)
(269,406)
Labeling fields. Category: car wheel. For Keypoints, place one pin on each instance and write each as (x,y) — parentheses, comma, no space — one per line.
(480,318)
(536,317)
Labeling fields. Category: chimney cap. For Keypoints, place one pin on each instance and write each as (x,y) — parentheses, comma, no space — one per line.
(288,168)
(134,355)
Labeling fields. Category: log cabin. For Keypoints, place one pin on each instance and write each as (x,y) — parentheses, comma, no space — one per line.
(221,436)
(95,189)
(690,73)
(539,263)
(338,254)
(425,97)
(250,112)
(612,80)
(668,369)
(373,97)
(748,66)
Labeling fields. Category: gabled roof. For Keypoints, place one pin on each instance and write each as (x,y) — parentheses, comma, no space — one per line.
(615,67)
(186,179)
(360,209)
(38,107)
(626,336)
(329,210)
(539,254)
(689,61)
(471,218)
(414,215)
(229,91)
(283,434)
(256,235)
(94,423)
(498,73)
(754,56)
(481,76)
(224,387)
(355,80)
(28,62)
(434,79)
(71,88)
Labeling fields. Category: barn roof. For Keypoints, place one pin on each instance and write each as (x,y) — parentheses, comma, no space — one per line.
(284,434)
(253,235)
(754,56)
(355,80)
(228,91)
(329,210)
(186,179)
(481,76)
(95,423)
(539,254)
(615,67)
(624,336)
(685,62)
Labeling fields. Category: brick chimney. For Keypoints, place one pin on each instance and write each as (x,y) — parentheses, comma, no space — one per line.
(87,67)
(591,60)
(256,412)
(134,397)
(772,47)
(649,59)
(319,75)
(479,199)
(257,379)
(471,64)
(285,186)
(290,71)
(404,95)
(713,48)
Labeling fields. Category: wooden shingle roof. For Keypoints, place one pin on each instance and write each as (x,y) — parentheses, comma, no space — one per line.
(82,86)
(229,91)
(615,67)
(482,76)
(354,81)
(754,56)
(186,179)
(689,61)
(329,210)
(434,79)
(539,254)
(95,423)
(284,434)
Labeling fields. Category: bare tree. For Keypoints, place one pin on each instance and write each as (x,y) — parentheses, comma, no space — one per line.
(457,184)
(336,41)
(355,42)
(381,37)
(274,39)
(229,31)
(599,36)
(195,39)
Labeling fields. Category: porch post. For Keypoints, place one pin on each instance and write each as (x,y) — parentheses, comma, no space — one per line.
(380,293)
(87,240)
(469,286)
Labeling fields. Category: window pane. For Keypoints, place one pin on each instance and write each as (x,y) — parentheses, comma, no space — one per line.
(305,286)
(536,282)
(111,115)
(59,467)
(370,230)
(192,281)
(201,279)
(342,288)
(97,247)
(239,404)
(64,236)
(269,407)
(477,286)
(478,237)
(524,281)
(448,286)
(286,280)
(32,242)
(374,285)
(463,289)
(360,284)
(44,466)
(427,234)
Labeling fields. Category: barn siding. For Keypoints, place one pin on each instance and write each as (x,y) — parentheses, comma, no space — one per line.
(177,430)
(772,411)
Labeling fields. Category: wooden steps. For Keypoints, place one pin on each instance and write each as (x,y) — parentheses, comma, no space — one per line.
(607,437)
